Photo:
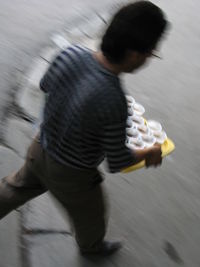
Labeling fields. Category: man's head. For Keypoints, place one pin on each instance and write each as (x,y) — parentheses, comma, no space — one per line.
(133,34)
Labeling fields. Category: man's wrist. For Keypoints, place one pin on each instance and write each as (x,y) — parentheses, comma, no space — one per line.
(141,154)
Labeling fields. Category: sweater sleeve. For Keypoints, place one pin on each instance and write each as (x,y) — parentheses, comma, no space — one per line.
(118,155)
(54,74)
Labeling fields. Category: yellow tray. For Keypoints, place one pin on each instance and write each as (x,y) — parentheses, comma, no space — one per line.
(167,147)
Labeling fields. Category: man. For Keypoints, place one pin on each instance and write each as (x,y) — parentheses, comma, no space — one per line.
(85,122)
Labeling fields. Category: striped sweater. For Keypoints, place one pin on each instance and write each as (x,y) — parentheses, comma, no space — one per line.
(85,114)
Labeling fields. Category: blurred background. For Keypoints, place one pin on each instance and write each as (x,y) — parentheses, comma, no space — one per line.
(156,212)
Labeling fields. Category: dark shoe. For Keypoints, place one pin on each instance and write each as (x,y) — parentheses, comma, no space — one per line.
(107,248)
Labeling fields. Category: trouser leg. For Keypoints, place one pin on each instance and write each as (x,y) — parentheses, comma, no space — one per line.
(19,187)
(88,214)
(83,196)
(13,195)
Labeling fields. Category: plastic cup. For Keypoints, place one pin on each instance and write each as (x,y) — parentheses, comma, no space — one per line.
(130,105)
(137,120)
(130,111)
(160,136)
(138,109)
(135,143)
(148,139)
(154,125)
(144,129)
(129,123)
(132,132)
(130,99)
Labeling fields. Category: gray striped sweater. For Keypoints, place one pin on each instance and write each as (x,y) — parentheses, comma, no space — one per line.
(85,114)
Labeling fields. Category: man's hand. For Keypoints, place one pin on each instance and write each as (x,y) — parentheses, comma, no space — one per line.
(154,156)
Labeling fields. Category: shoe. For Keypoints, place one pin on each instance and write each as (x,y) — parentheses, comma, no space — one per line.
(107,248)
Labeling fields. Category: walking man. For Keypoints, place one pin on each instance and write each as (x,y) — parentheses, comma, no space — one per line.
(84,122)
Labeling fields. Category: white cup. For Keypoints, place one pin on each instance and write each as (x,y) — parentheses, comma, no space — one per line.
(130,105)
(143,129)
(130,99)
(135,143)
(138,109)
(160,136)
(148,139)
(129,123)
(137,120)
(130,111)
(132,132)
(154,125)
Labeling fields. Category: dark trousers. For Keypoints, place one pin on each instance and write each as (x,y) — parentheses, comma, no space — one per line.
(79,191)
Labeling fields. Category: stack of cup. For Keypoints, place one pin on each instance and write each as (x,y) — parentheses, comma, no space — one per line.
(134,121)
(157,131)
(147,136)
(141,134)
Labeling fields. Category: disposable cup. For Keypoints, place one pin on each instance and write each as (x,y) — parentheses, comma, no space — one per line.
(148,139)
(132,132)
(129,123)
(137,120)
(160,136)
(130,99)
(154,125)
(143,129)
(135,143)
(138,109)
(130,111)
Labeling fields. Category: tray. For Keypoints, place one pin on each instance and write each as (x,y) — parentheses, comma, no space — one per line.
(167,147)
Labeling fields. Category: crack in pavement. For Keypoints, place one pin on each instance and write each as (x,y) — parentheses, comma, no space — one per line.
(44,231)
(24,244)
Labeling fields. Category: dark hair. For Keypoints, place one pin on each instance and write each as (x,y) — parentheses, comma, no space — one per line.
(137,26)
